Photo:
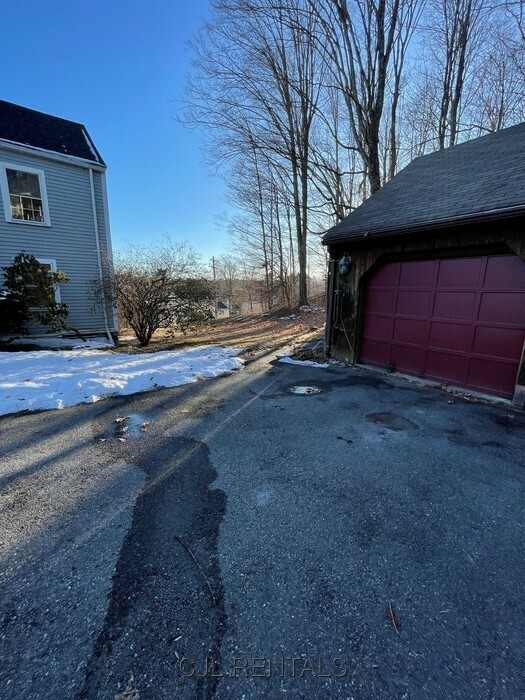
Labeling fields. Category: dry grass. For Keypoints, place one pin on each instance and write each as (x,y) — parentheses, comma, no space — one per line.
(256,333)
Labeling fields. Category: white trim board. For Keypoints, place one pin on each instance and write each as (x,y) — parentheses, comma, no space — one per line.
(4,188)
(52,155)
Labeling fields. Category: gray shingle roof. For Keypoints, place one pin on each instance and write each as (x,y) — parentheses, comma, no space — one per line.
(31,128)
(481,178)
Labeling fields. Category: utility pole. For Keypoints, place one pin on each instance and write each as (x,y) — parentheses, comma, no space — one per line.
(215,287)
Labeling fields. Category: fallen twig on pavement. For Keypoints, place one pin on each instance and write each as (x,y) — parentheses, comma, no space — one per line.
(199,567)
(390,615)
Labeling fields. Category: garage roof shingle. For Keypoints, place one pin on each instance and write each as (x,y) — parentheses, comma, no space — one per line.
(481,178)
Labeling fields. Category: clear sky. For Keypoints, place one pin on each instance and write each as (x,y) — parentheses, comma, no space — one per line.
(118,67)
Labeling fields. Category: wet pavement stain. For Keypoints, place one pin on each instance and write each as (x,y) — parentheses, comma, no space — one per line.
(509,421)
(122,428)
(133,426)
(493,443)
(166,602)
(391,421)
(335,380)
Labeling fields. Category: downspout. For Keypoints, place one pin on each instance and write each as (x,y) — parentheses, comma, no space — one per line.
(109,246)
(99,257)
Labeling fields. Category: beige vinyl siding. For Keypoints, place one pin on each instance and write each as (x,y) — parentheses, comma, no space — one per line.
(70,240)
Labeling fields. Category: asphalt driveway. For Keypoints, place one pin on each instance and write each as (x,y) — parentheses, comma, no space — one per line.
(364,541)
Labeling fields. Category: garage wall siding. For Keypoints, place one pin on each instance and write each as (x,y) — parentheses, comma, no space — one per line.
(70,239)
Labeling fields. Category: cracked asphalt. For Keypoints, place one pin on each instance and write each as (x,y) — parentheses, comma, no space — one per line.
(366,541)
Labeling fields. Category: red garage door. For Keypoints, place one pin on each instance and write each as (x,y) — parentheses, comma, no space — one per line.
(458,320)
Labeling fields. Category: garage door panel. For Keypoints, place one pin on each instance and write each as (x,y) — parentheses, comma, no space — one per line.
(502,308)
(455,320)
(413,303)
(381,300)
(378,327)
(406,359)
(449,336)
(447,367)
(417,274)
(377,352)
(492,376)
(505,272)
(410,331)
(463,272)
(455,305)
(501,342)
(386,276)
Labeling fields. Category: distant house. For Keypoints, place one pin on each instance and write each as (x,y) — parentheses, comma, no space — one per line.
(223,310)
(427,277)
(53,205)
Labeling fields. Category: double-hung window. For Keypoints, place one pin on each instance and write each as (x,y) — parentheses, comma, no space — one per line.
(24,194)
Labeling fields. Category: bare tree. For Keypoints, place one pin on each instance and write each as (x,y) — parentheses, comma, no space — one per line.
(408,21)
(514,38)
(309,106)
(256,88)
(228,273)
(500,96)
(336,165)
(516,10)
(357,43)
(159,286)
(455,33)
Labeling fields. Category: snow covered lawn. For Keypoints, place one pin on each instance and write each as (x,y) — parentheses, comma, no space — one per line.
(46,379)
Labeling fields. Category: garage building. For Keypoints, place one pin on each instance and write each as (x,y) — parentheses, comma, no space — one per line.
(427,277)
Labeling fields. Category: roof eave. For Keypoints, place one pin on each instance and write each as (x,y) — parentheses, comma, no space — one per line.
(54,155)
(477,217)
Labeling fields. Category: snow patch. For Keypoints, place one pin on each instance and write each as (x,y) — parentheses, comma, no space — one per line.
(100,343)
(308,309)
(47,379)
(305,363)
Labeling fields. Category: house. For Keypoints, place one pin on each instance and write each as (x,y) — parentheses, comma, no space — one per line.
(223,310)
(427,277)
(53,205)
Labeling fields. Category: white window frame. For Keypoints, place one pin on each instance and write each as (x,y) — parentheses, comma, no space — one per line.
(6,197)
(53,265)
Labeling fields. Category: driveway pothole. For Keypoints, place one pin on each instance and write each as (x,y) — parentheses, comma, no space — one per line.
(123,428)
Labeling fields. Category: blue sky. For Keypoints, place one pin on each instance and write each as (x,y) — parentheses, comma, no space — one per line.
(118,67)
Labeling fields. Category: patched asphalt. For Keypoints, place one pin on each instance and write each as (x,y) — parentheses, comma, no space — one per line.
(240,540)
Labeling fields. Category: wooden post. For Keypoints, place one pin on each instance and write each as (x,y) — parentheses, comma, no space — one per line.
(519,392)
(329,307)
(215,287)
